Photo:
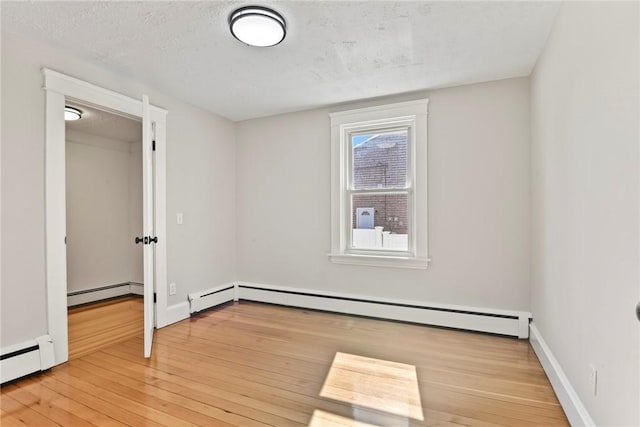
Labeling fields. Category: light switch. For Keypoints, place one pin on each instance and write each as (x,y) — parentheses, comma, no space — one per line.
(179,218)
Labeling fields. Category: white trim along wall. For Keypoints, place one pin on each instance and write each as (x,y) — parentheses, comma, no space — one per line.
(58,87)
(571,403)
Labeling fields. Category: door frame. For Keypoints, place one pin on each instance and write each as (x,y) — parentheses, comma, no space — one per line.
(58,87)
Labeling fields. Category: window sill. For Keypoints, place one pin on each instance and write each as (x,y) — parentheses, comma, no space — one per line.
(380,261)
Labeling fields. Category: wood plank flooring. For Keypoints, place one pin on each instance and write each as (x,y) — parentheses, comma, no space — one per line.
(251,364)
(94,326)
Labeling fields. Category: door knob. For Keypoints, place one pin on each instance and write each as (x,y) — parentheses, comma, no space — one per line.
(153,239)
(139,240)
(638,311)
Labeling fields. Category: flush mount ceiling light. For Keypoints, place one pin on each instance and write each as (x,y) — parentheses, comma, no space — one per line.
(71,113)
(257,26)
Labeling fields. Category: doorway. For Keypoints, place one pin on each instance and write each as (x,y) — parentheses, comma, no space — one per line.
(104,219)
(60,90)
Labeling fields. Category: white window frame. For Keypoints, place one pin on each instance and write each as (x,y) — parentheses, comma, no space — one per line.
(413,116)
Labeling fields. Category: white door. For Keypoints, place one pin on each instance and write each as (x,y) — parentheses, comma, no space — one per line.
(148,226)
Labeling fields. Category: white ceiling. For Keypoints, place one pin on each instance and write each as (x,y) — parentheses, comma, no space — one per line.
(335,51)
(105,124)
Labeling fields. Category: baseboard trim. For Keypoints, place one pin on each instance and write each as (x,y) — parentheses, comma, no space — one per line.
(25,358)
(503,322)
(177,312)
(571,403)
(204,300)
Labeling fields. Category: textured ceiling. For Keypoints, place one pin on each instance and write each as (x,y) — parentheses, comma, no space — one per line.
(104,124)
(335,51)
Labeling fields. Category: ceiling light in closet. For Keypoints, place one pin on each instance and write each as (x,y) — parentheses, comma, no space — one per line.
(71,113)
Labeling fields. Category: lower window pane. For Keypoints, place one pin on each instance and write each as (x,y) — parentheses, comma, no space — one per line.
(380,221)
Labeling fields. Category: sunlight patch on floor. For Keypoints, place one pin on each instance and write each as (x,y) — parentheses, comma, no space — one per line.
(326,419)
(373,383)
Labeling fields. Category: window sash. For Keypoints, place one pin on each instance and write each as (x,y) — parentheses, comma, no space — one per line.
(349,131)
(382,190)
(406,127)
(379,251)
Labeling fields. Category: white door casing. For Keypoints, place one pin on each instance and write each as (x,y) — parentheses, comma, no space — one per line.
(58,87)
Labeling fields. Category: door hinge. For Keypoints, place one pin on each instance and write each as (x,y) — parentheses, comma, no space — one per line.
(155,298)
(153,145)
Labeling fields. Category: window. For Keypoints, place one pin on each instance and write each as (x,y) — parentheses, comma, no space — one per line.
(379,185)
(379,189)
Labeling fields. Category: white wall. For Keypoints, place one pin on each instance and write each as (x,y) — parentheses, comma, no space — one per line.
(23,309)
(585,138)
(479,202)
(100,212)
(200,183)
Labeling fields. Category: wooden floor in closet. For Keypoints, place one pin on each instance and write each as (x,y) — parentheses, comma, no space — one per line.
(98,325)
(251,364)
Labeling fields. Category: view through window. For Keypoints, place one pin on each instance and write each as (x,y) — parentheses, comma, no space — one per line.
(380,190)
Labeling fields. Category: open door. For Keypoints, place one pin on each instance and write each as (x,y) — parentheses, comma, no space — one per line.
(148,226)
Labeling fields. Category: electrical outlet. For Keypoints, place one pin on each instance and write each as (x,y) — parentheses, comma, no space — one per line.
(593,379)
(172,288)
(180,218)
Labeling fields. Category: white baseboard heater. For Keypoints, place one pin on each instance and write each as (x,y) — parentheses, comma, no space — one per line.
(210,298)
(503,322)
(495,321)
(86,296)
(26,358)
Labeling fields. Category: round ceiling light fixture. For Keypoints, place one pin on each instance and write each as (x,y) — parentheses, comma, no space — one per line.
(71,113)
(257,26)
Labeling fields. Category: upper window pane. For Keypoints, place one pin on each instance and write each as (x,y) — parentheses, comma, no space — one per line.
(379,160)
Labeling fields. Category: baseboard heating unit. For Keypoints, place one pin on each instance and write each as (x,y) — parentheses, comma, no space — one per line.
(210,298)
(495,321)
(503,322)
(26,358)
(86,296)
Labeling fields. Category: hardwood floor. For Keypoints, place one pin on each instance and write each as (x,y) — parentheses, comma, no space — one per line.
(99,325)
(250,364)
